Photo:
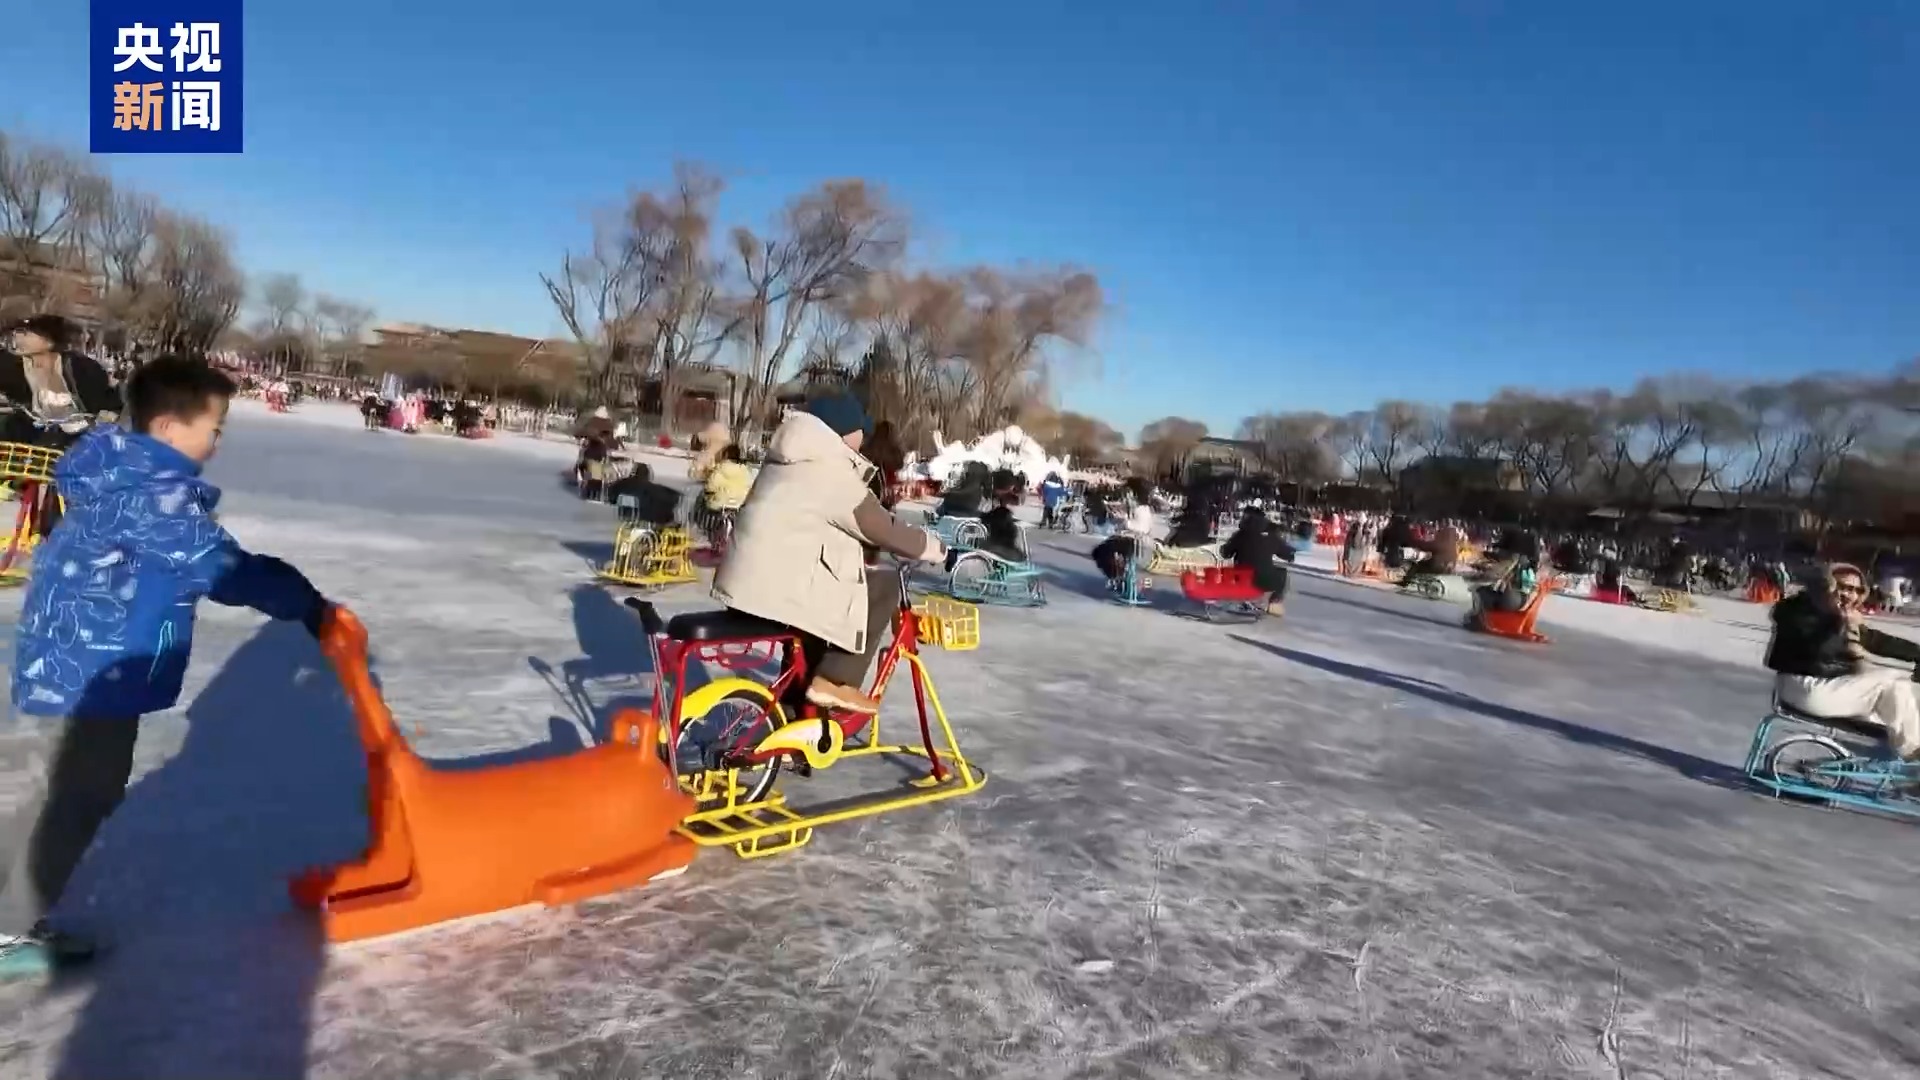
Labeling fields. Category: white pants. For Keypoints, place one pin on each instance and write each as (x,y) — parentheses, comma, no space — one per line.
(1881,693)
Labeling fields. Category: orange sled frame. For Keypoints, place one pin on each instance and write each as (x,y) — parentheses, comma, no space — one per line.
(453,844)
(1518,625)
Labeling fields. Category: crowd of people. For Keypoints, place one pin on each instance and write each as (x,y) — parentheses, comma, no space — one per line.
(807,532)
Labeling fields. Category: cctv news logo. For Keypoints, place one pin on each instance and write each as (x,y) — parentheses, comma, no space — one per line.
(166,77)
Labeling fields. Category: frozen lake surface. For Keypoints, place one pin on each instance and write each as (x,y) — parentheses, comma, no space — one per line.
(1357,843)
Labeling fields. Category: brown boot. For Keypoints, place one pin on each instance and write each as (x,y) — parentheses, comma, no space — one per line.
(832,695)
(1276,610)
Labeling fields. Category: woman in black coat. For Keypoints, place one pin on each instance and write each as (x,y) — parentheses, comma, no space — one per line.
(1261,547)
(50,393)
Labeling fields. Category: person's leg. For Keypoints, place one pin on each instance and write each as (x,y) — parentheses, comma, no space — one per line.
(1482,599)
(844,674)
(49,511)
(78,773)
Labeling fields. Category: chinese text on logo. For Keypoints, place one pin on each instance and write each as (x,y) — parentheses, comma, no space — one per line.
(166,77)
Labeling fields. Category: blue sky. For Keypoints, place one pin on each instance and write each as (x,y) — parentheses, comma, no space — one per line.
(1292,205)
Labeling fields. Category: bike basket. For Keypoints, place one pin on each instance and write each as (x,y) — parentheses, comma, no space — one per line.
(20,461)
(950,624)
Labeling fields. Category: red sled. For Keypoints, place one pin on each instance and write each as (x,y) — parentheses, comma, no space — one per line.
(1225,590)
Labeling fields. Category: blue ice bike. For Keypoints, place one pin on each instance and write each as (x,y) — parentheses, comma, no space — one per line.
(1842,761)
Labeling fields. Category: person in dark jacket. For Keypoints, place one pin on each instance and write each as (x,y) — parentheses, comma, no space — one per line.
(966,496)
(1394,541)
(1260,545)
(51,393)
(1193,525)
(1819,650)
(1442,555)
(656,503)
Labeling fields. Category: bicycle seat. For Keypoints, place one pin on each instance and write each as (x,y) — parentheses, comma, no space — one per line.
(724,624)
(1865,727)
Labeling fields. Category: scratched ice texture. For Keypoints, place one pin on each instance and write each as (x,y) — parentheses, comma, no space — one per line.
(1356,843)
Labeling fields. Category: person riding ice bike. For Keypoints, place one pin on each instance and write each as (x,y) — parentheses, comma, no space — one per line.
(49,395)
(1438,559)
(799,554)
(1819,656)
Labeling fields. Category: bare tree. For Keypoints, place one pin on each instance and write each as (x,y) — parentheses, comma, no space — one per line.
(912,374)
(1085,439)
(193,289)
(1390,444)
(602,294)
(1166,442)
(1831,415)
(828,241)
(340,329)
(1295,446)
(1352,437)
(1013,319)
(47,200)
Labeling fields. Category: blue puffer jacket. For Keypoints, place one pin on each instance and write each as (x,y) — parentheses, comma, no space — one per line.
(1052,491)
(108,621)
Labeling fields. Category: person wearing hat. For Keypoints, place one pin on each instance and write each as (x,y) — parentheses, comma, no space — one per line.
(798,554)
(599,437)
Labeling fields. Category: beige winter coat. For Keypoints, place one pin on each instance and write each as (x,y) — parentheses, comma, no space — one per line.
(797,554)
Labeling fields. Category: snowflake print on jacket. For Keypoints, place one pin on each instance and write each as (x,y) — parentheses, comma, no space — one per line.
(108,621)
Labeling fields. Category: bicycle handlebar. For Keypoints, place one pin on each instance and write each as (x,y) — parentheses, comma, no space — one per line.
(9,407)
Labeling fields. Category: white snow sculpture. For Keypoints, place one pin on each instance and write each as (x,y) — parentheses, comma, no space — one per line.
(1010,449)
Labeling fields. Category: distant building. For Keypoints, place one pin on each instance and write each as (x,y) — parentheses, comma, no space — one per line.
(45,277)
(1444,474)
(1238,456)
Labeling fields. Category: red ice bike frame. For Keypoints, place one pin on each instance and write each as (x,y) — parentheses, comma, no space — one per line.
(734,783)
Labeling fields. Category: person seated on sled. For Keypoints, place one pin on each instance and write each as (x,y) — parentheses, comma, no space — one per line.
(656,503)
(797,554)
(598,437)
(1099,509)
(966,497)
(1396,536)
(728,480)
(1001,541)
(1193,525)
(50,394)
(1821,642)
(1260,545)
(1513,582)
(1008,489)
(1440,558)
(1609,582)
(1113,553)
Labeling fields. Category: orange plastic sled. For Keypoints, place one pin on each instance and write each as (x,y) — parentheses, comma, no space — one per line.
(1519,624)
(451,844)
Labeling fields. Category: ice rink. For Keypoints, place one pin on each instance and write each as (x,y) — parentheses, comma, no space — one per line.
(1357,843)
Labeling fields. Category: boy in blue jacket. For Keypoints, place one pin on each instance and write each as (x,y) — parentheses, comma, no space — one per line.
(107,627)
